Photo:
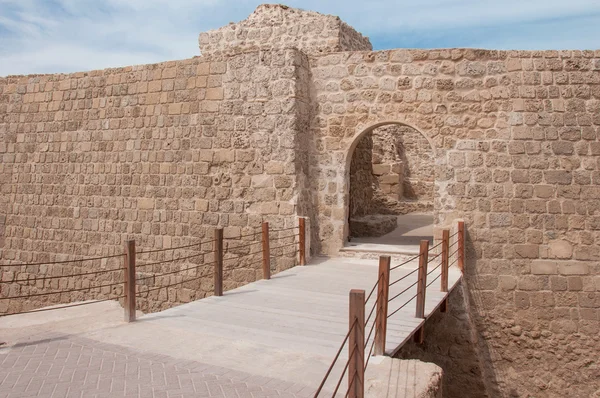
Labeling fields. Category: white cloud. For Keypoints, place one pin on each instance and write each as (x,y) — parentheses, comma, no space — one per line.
(47,36)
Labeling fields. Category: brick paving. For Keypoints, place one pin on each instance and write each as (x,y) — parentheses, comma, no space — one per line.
(67,366)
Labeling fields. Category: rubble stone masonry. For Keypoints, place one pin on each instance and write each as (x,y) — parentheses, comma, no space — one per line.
(391,172)
(160,153)
(515,136)
(164,153)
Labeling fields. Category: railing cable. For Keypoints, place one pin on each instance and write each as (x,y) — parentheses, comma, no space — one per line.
(62,261)
(438,266)
(404,277)
(62,291)
(243,246)
(282,230)
(175,272)
(402,292)
(337,355)
(406,262)
(286,245)
(435,247)
(434,279)
(434,257)
(372,290)
(369,356)
(171,260)
(175,248)
(62,276)
(344,373)
(369,336)
(455,252)
(403,305)
(351,384)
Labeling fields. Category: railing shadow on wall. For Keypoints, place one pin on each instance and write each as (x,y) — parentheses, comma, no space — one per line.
(160,274)
(357,340)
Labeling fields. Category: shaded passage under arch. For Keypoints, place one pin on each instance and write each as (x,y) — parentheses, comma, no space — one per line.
(391,174)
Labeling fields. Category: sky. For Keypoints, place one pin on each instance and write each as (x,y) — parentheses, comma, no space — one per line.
(51,36)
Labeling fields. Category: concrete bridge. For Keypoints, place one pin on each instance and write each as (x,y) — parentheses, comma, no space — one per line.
(299,333)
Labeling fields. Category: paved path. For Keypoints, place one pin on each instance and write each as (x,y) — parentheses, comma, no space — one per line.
(269,338)
(67,366)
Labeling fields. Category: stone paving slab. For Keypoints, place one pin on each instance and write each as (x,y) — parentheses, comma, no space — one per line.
(71,366)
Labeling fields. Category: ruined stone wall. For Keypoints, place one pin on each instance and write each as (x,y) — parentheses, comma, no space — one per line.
(391,172)
(515,138)
(406,152)
(159,153)
(362,179)
(275,26)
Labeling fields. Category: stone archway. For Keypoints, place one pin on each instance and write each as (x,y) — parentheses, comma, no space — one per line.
(390,177)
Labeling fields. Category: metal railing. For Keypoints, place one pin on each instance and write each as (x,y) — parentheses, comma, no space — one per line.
(357,341)
(223,255)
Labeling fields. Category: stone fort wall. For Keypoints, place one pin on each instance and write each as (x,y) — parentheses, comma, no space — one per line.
(164,153)
(159,153)
(516,141)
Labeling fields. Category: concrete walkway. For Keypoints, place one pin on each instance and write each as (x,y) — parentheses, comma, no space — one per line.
(269,338)
(405,239)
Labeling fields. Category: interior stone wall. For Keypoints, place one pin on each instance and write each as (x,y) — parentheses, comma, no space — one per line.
(363,182)
(391,172)
(162,154)
(515,137)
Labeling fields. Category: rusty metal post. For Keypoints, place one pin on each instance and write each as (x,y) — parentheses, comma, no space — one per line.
(422,281)
(445,260)
(266,251)
(383,292)
(302,240)
(356,345)
(422,288)
(129,281)
(218,255)
(461,246)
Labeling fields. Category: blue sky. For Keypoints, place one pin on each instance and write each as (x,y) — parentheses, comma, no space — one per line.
(49,36)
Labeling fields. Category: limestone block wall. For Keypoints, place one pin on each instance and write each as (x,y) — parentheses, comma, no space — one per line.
(403,151)
(515,137)
(275,26)
(362,179)
(159,153)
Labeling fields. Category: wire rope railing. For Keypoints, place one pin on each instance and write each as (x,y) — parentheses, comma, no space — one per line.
(403,291)
(405,262)
(61,261)
(219,254)
(404,277)
(199,244)
(337,355)
(337,386)
(61,291)
(46,278)
(374,332)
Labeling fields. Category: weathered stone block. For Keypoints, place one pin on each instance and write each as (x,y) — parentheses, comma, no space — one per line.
(573,268)
(542,267)
(145,203)
(527,251)
(372,225)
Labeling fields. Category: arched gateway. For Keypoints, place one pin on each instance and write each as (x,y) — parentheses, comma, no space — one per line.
(390,177)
